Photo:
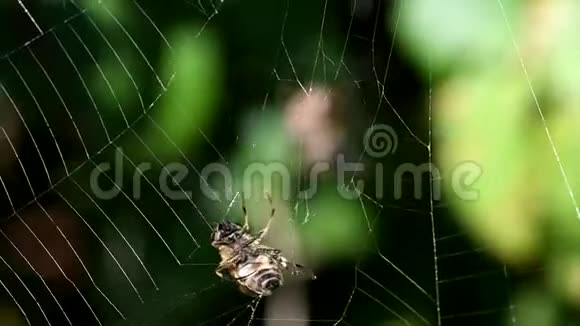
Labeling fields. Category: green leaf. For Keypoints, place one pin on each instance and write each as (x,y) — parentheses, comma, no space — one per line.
(449,34)
(336,229)
(189,106)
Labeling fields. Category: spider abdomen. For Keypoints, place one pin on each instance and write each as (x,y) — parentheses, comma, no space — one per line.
(268,279)
(259,275)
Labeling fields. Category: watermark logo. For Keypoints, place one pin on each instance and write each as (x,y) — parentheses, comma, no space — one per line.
(421,180)
(380,140)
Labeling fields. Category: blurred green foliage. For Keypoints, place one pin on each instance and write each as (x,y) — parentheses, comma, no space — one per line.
(190,105)
(502,98)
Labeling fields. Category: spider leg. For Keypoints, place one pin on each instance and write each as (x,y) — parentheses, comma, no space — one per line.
(246,226)
(294,268)
(267,250)
(265,230)
(223,269)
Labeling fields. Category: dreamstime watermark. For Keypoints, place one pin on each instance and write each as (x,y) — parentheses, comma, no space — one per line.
(379,141)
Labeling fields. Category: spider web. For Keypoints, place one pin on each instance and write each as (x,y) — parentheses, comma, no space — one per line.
(148,270)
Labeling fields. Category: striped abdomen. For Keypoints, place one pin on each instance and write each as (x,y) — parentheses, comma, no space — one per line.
(260,275)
